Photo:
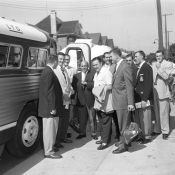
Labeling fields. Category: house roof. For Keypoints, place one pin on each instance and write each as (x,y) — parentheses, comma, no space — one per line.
(104,40)
(110,43)
(45,24)
(94,36)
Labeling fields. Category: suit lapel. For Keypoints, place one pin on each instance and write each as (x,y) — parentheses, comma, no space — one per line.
(117,71)
(139,72)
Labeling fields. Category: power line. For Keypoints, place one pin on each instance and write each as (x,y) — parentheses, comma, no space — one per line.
(70,8)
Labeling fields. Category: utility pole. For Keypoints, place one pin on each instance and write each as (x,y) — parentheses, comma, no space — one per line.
(166,40)
(168,34)
(159,19)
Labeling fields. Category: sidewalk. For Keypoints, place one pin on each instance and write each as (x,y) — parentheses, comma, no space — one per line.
(82,158)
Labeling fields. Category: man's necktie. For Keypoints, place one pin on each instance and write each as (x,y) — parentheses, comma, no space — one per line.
(62,69)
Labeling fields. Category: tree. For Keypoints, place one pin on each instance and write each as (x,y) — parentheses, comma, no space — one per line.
(151,57)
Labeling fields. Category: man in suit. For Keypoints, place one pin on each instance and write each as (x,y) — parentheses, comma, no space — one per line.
(143,96)
(64,80)
(161,72)
(83,84)
(123,95)
(71,72)
(111,67)
(50,106)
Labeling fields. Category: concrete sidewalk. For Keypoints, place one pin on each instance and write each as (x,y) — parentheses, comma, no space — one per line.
(82,158)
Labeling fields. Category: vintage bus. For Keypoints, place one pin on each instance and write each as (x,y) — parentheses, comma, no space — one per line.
(23,55)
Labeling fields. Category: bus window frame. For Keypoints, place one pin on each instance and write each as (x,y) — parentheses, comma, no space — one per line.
(22,50)
(36,67)
(8,45)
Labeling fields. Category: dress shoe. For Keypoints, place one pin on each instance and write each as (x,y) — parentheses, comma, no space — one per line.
(55,148)
(138,139)
(155,134)
(164,136)
(81,136)
(95,137)
(120,150)
(99,142)
(58,145)
(69,135)
(54,156)
(145,141)
(101,147)
(118,143)
(66,141)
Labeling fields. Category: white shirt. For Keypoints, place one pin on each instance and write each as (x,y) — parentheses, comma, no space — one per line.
(104,77)
(139,67)
(107,66)
(118,64)
(83,76)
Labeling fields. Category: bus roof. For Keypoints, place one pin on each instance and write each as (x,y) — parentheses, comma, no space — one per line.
(12,28)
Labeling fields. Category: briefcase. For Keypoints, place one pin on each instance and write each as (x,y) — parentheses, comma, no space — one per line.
(131,132)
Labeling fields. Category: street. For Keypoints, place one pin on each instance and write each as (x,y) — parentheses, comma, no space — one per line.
(82,158)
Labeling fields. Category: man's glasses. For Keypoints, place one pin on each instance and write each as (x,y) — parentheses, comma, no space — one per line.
(107,57)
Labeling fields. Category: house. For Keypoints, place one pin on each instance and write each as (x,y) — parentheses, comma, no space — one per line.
(105,40)
(63,32)
(110,43)
(96,37)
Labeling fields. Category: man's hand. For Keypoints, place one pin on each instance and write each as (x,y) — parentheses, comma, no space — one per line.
(53,112)
(84,83)
(65,97)
(157,65)
(131,108)
(143,103)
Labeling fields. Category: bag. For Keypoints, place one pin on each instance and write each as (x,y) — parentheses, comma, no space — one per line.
(73,123)
(131,132)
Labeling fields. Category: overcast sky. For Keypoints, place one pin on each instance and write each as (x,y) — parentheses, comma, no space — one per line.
(132,24)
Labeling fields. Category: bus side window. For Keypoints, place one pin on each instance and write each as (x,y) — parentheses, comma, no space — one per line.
(14,56)
(33,54)
(3,55)
(42,58)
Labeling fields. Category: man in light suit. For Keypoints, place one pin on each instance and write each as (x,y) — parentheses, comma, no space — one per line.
(161,72)
(50,106)
(64,80)
(123,95)
(83,84)
(143,96)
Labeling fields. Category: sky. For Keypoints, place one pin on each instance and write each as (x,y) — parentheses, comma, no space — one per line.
(132,24)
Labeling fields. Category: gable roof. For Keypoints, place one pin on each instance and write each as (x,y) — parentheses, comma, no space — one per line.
(111,43)
(45,24)
(96,37)
(105,40)
(70,27)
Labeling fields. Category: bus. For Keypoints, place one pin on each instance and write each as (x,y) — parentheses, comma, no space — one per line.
(24,52)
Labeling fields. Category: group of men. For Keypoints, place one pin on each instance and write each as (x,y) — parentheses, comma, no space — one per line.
(115,88)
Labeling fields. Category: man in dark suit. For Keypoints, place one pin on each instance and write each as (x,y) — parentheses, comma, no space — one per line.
(123,96)
(143,96)
(50,106)
(83,84)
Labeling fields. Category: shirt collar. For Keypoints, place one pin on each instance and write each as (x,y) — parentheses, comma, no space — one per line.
(50,67)
(141,65)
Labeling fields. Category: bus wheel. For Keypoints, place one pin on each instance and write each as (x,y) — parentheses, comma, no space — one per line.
(27,133)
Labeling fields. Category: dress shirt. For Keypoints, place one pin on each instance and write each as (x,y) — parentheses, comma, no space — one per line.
(83,76)
(139,67)
(107,66)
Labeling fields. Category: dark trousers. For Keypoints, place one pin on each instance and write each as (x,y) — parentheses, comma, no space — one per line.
(85,113)
(63,125)
(106,126)
(114,116)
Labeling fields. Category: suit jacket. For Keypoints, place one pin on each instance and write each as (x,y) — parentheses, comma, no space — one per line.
(84,94)
(144,84)
(122,87)
(160,78)
(50,94)
(65,83)
(135,69)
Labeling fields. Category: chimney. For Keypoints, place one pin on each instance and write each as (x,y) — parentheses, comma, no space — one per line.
(53,16)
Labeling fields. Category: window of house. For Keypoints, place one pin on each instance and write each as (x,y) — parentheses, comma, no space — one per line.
(37,58)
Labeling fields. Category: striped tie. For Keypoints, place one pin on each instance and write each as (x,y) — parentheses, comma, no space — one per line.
(62,69)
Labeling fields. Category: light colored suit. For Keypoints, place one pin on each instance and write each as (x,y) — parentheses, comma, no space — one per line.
(64,121)
(160,78)
(71,72)
(122,93)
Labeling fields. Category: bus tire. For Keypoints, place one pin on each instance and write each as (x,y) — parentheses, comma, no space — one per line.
(27,133)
